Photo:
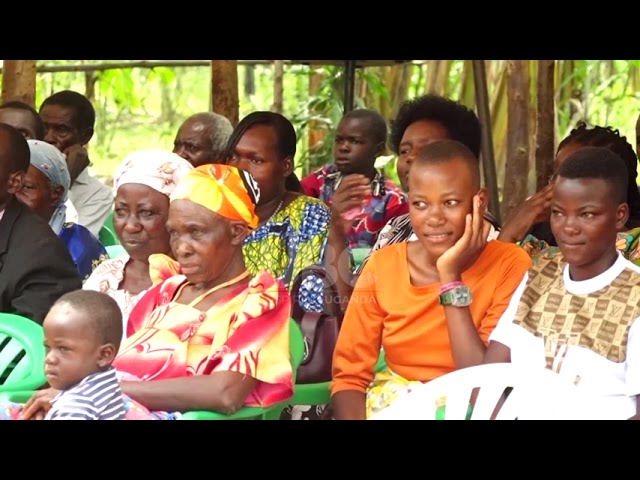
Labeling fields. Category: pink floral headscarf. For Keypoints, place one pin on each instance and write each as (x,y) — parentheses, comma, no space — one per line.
(158,169)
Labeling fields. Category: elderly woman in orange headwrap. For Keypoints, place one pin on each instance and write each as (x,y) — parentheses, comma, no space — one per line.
(210,337)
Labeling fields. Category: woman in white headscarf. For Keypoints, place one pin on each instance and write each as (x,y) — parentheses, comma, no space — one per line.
(45,191)
(143,182)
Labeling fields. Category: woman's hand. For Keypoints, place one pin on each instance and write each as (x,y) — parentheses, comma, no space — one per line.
(534,209)
(461,256)
(39,404)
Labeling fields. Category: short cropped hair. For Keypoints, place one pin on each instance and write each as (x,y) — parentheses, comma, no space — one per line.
(100,310)
(376,122)
(85,114)
(442,151)
(37,119)
(598,162)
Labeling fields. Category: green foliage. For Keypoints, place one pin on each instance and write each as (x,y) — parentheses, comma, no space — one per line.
(142,108)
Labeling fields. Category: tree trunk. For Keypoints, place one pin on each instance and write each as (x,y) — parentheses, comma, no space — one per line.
(19,81)
(432,76)
(467,94)
(90,79)
(224,89)
(438,76)
(545,137)
(401,89)
(517,164)
(316,135)
(249,80)
(278,86)
(638,136)
(499,114)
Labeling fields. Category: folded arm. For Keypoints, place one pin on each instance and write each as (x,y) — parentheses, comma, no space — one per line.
(223,392)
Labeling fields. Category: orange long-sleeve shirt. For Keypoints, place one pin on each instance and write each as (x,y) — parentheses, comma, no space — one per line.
(409,322)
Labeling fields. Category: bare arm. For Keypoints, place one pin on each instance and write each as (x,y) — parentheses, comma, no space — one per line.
(467,347)
(349,405)
(223,392)
(350,194)
(357,349)
(531,211)
(497,353)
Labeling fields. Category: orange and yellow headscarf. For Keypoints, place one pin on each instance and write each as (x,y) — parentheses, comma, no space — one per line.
(228,191)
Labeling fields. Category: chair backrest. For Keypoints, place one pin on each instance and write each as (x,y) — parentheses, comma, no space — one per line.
(107,237)
(534,394)
(21,352)
(114,251)
(109,222)
(296,346)
(359,254)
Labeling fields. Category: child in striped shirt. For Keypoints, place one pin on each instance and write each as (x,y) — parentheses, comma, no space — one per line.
(82,333)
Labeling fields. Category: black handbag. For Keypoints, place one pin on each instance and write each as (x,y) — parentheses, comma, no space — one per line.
(320,329)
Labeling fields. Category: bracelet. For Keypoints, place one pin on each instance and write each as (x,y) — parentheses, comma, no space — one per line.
(450,286)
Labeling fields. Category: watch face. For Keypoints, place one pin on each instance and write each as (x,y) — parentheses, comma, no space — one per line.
(461,296)
(458,297)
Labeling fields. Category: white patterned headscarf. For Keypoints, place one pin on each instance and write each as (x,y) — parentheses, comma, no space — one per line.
(158,169)
(52,164)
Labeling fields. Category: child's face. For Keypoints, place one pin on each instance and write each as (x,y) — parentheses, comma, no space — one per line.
(440,197)
(73,350)
(585,218)
(355,150)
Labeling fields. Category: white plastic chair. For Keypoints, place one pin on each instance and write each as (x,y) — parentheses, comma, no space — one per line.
(536,394)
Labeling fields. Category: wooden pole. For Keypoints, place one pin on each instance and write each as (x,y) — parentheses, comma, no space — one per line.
(278,85)
(638,136)
(19,81)
(545,123)
(349,84)
(101,67)
(517,165)
(224,89)
(484,114)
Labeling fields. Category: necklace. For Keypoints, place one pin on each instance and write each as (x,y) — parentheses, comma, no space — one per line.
(277,209)
(213,289)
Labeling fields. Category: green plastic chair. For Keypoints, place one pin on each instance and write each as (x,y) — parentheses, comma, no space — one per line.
(107,234)
(296,341)
(107,237)
(21,354)
(21,396)
(320,393)
(109,222)
(114,251)
(381,364)
(359,254)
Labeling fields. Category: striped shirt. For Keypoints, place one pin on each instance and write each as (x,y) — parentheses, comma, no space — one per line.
(97,397)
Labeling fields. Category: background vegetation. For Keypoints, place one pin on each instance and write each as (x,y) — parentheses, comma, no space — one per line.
(142,108)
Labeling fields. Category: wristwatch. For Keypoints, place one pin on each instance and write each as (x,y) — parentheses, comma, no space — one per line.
(456,297)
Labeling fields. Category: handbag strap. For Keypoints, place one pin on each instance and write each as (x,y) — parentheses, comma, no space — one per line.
(308,325)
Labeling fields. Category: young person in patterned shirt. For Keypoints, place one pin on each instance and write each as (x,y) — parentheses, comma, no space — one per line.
(360,138)
(576,311)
